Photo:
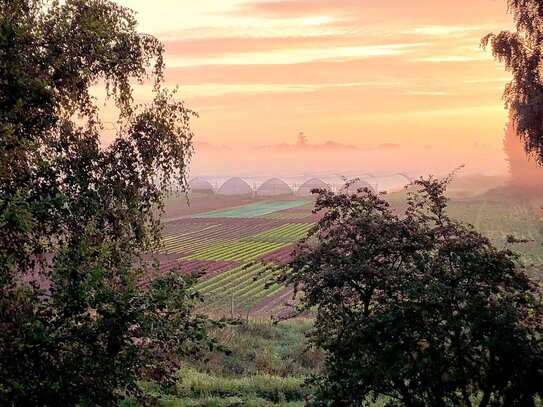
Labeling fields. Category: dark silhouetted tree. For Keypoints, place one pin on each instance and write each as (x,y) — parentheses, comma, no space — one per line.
(416,309)
(522,53)
(75,327)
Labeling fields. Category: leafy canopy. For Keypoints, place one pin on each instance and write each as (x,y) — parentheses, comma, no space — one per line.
(522,53)
(416,309)
(76,327)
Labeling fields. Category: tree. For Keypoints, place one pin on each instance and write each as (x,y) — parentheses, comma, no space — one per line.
(417,309)
(522,53)
(76,327)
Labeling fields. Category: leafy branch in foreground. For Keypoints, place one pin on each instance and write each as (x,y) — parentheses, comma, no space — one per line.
(75,326)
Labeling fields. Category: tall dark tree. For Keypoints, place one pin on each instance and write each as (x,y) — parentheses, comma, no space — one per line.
(522,53)
(416,309)
(75,327)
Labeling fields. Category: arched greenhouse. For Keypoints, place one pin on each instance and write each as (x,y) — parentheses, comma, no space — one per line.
(307,186)
(356,185)
(201,186)
(274,187)
(235,186)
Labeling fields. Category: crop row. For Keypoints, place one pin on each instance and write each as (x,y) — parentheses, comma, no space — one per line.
(254,210)
(209,234)
(224,249)
(287,215)
(210,268)
(240,272)
(244,291)
(244,285)
(289,232)
(240,250)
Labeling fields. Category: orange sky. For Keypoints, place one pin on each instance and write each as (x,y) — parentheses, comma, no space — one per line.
(357,72)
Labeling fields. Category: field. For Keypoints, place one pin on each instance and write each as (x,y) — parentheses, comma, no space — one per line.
(230,241)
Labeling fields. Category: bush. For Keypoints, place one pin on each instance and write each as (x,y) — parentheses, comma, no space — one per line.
(416,310)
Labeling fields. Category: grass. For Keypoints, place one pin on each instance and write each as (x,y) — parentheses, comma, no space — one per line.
(261,347)
(248,401)
(276,389)
(497,213)
(267,366)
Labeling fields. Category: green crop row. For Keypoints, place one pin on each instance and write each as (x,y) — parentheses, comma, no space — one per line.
(289,232)
(225,278)
(286,215)
(240,280)
(240,250)
(242,301)
(254,210)
(245,291)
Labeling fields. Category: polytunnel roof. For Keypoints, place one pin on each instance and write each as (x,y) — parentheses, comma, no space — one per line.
(273,187)
(307,186)
(200,185)
(235,186)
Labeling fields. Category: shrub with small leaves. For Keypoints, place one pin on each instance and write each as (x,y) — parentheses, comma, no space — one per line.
(416,309)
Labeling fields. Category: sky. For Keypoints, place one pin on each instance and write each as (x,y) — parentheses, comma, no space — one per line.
(374,85)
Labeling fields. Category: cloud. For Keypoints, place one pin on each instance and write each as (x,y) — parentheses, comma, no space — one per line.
(385,69)
(313,43)
(416,11)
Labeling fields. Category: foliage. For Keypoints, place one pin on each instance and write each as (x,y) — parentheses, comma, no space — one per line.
(75,325)
(266,365)
(260,347)
(418,309)
(268,387)
(522,53)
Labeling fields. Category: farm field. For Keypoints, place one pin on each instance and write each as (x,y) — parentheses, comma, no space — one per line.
(231,245)
(229,241)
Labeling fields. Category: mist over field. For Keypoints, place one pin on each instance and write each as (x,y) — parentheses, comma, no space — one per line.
(351,162)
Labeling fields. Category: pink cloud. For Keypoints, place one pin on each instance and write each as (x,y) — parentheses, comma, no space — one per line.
(378,11)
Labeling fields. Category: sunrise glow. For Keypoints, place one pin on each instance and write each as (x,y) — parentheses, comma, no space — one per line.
(358,73)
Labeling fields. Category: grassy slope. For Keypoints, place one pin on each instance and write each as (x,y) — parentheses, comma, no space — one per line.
(267,366)
(496,213)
